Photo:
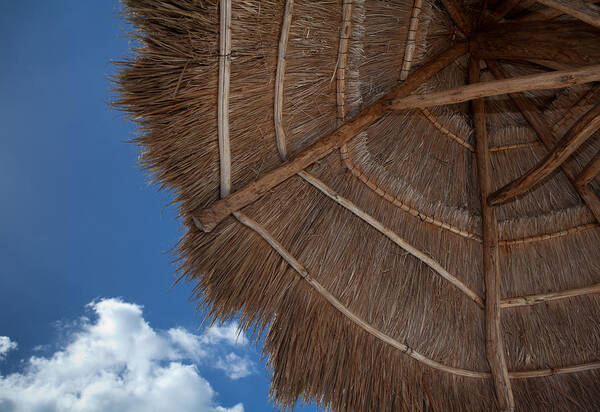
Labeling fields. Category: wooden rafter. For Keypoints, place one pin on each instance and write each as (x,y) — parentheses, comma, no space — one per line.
(223,97)
(543,81)
(580,9)
(494,342)
(546,13)
(536,120)
(458,15)
(279,77)
(208,219)
(342,62)
(579,133)
(589,172)
(547,297)
(502,10)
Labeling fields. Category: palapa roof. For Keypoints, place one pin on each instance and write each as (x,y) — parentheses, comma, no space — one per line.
(438,252)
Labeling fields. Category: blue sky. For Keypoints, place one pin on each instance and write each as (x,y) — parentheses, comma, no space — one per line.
(85,240)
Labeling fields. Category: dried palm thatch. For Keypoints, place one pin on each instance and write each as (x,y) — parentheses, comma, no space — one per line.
(360,239)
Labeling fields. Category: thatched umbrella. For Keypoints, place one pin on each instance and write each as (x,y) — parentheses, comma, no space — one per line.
(359,188)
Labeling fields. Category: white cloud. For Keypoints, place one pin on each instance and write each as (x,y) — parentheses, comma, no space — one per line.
(120,363)
(226,333)
(235,366)
(6,345)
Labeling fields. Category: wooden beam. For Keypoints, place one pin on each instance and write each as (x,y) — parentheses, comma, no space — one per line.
(501,10)
(590,172)
(207,219)
(342,61)
(579,133)
(547,297)
(570,42)
(580,9)
(223,97)
(458,15)
(536,120)
(543,81)
(494,342)
(546,13)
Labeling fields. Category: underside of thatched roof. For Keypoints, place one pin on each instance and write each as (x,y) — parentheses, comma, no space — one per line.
(359,188)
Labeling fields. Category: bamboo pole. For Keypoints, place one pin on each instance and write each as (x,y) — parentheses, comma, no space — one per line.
(529,300)
(279,78)
(494,343)
(457,14)
(223,97)
(207,219)
(580,9)
(341,72)
(411,41)
(579,133)
(543,81)
(546,135)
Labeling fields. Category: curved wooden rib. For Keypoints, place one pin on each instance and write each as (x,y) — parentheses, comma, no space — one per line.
(245,220)
(289,258)
(279,77)
(429,116)
(576,108)
(546,236)
(411,40)
(578,134)
(547,297)
(356,172)
(433,264)
(580,9)
(513,146)
(223,97)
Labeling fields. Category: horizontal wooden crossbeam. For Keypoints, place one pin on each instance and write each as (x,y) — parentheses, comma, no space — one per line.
(551,80)
(578,134)
(208,219)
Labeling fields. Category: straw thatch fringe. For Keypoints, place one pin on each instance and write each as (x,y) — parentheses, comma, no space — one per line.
(411,44)
(392,236)
(223,99)
(279,78)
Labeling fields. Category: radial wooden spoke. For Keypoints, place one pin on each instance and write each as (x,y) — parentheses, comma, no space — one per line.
(543,81)
(207,219)
(579,9)
(590,172)
(279,77)
(502,10)
(223,97)
(341,70)
(578,135)
(546,13)
(536,120)
(494,342)
(411,40)
(457,14)
(529,300)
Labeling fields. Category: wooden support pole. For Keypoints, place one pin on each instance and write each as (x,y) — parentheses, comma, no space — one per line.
(580,9)
(569,42)
(543,81)
(494,342)
(536,120)
(279,77)
(579,133)
(223,97)
(341,69)
(458,15)
(207,219)
(590,172)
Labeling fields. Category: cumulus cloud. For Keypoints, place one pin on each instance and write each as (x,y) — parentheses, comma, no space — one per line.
(6,345)
(120,363)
